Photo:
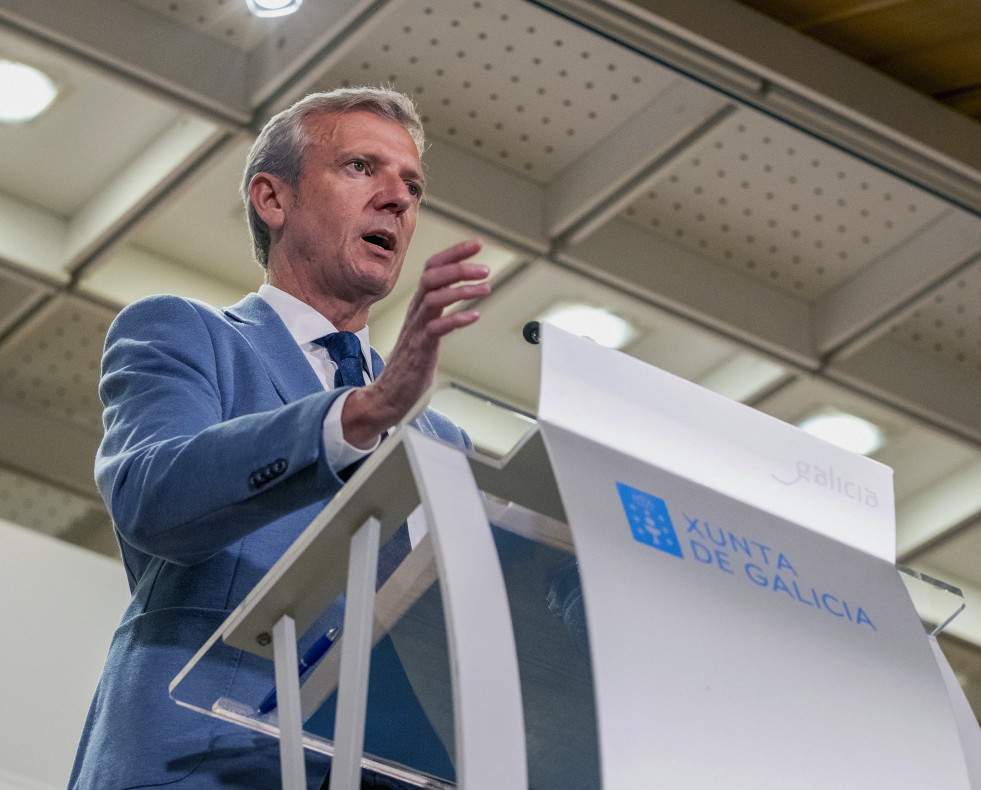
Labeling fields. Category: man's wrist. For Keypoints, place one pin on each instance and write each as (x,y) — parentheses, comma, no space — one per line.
(340,453)
(365,416)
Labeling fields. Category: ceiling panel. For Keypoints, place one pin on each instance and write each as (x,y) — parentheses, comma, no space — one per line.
(227,22)
(50,509)
(63,158)
(507,81)
(780,206)
(948,323)
(51,363)
(204,226)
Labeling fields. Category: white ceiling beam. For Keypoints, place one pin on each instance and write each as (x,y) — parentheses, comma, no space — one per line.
(742,376)
(920,384)
(32,238)
(676,118)
(132,273)
(684,282)
(485,197)
(929,514)
(892,285)
(106,217)
(193,69)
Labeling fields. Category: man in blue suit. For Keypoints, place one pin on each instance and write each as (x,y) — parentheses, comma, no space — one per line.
(225,433)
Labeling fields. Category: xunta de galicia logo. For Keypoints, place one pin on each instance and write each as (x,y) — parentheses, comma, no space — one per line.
(772,571)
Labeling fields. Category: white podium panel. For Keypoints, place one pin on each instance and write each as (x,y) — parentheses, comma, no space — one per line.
(735,641)
(618,401)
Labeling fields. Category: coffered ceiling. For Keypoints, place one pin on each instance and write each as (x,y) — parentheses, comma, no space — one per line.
(781,222)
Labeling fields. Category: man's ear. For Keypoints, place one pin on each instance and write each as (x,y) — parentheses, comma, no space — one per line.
(270,197)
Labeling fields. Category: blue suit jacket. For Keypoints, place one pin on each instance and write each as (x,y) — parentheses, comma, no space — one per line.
(211,465)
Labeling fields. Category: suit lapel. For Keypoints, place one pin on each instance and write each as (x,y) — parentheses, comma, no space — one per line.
(275,348)
(282,359)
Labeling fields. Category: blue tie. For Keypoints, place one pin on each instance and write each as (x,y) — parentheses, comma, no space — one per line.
(345,349)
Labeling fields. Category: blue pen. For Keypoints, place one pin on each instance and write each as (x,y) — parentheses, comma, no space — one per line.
(314,653)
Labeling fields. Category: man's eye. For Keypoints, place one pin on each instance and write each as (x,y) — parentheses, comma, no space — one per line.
(414,189)
(359,166)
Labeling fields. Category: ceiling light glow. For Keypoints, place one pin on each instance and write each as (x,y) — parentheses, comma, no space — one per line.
(25,92)
(595,323)
(844,430)
(268,8)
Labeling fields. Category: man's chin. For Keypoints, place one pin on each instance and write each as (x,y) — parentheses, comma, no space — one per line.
(376,283)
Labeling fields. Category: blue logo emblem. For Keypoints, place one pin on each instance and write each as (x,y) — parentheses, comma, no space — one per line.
(649,520)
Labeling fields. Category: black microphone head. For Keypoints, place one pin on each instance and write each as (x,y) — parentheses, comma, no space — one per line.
(530,332)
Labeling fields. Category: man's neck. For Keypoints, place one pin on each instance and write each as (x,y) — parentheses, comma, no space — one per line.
(342,314)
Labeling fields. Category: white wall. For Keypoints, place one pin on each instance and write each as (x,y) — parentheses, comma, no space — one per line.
(59,605)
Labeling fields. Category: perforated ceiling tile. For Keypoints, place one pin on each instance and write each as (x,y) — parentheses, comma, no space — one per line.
(948,323)
(224,20)
(508,81)
(35,504)
(52,364)
(18,294)
(780,206)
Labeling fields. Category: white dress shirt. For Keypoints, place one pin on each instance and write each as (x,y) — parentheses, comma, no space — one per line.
(305,324)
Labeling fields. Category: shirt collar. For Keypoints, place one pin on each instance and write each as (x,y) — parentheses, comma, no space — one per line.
(302,321)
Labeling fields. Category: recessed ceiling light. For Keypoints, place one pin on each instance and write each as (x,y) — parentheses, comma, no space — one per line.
(844,430)
(25,92)
(595,323)
(272,7)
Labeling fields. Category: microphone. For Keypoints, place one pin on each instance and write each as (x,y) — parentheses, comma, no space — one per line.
(531,332)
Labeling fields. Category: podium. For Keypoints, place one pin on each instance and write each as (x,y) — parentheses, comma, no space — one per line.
(657,588)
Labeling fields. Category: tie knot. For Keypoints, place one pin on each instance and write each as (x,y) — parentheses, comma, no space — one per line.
(345,349)
(341,345)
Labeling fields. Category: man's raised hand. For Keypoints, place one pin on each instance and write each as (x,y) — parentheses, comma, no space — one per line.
(448,278)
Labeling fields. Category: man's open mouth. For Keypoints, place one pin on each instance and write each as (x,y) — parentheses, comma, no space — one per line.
(381,241)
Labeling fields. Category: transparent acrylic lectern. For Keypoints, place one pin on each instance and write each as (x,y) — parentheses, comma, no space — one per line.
(658,588)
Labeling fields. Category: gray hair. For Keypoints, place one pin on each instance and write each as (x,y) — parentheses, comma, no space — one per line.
(280,147)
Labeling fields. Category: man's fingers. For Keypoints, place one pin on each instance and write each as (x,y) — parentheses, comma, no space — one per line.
(458,252)
(449,274)
(447,323)
(428,306)
(438,300)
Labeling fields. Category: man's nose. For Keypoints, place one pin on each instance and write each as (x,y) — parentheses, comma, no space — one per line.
(393,194)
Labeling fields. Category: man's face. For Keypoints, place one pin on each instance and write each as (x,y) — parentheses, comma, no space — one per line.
(354,209)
